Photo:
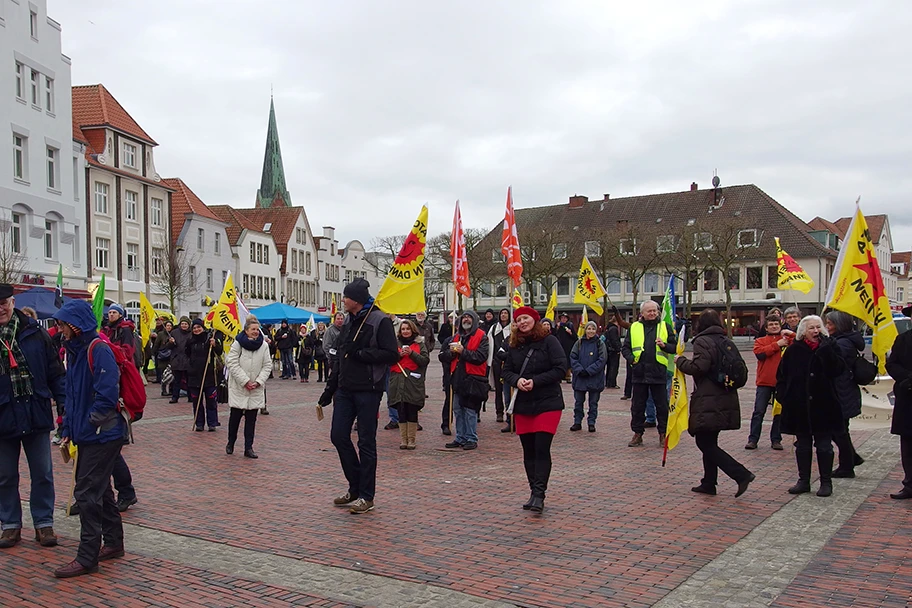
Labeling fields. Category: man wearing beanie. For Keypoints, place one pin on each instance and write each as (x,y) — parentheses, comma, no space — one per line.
(467,356)
(366,348)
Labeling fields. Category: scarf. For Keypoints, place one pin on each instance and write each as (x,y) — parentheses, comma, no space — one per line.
(14,363)
(813,345)
(249,344)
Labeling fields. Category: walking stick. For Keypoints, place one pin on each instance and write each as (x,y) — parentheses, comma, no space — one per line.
(199,398)
(72,484)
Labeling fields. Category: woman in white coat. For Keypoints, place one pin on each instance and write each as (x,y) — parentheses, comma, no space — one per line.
(249,364)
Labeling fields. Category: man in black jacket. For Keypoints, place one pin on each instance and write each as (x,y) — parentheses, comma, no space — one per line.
(366,349)
(443,337)
(286,341)
(612,337)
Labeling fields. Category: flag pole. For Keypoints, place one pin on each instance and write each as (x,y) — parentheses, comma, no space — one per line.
(202,384)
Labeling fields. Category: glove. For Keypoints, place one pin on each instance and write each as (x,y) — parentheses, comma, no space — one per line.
(325,398)
(615,310)
(582,373)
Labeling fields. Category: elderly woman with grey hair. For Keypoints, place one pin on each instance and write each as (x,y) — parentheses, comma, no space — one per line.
(841,327)
(588,358)
(806,388)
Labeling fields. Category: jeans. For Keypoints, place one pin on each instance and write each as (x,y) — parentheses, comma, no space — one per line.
(159,368)
(466,421)
(288,365)
(638,406)
(360,468)
(98,512)
(763,398)
(179,378)
(578,398)
(715,458)
(393,412)
(208,410)
(123,479)
(37,448)
(234,423)
(611,370)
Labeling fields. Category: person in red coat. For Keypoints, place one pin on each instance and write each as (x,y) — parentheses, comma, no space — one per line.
(535,364)
(768,350)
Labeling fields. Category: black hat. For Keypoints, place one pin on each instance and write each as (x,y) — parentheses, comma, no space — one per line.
(563,314)
(199,322)
(6,291)
(358,290)
(906,311)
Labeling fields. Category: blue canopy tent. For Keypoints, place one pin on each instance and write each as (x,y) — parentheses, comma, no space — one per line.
(277,311)
(41,299)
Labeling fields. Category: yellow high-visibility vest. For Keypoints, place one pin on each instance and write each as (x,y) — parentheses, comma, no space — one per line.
(638,336)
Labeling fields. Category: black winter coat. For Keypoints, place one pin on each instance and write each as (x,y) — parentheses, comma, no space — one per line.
(179,360)
(547,366)
(285,338)
(847,390)
(566,334)
(197,349)
(899,365)
(612,337)
(806,389)
(648,370)
(712,408)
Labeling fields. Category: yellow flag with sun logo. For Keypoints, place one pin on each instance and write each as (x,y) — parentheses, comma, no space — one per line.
(402,293)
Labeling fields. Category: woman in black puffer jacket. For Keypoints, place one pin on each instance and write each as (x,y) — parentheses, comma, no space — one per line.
(203,351)
(535,364)
(712,407)
(841,327)
(806,388)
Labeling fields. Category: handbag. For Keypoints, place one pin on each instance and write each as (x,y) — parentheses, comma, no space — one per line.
(222,392)
(863,371)
(164,354)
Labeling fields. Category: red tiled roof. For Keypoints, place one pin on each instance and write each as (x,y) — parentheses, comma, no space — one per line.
(236,221)
(92,161)
(94,106)
(875,226)
(78,135)
(283,220)
(184,201)
(818,223)
(901,257)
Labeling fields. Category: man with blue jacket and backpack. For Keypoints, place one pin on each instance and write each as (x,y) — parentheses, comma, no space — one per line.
(92,421)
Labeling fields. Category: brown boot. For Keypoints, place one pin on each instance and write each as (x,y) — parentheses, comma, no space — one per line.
(636,441)
(46,537)
(10,537)
(403,436)
(412,434)
(662,439)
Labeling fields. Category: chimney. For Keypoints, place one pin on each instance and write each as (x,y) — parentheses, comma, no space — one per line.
(576,201)
(694,187)
(607,196)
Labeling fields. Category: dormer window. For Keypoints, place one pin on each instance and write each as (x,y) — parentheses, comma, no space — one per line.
(129,155)
(267,227)
(748,238)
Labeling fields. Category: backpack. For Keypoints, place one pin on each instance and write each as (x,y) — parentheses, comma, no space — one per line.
(131,392)
(731,371)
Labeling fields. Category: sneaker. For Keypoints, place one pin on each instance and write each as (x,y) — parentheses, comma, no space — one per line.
(576,427)
(750,445)
(361,506)
(391,425)
(776,445)
(56,440)
(123,505)
(453,444)
(470,446)
(345,499)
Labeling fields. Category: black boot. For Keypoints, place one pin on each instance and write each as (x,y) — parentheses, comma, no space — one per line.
(803,459)
(825,466)
(530,476)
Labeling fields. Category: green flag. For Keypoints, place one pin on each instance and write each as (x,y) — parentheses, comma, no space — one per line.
(58,291)
(668,306)
(98,301)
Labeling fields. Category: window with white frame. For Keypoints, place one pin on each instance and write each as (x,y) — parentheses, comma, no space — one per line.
(563,286)
(158,261)
(129,155)
(301,261)
(157,209)
(259,253)
(102,247)
(294,260)
(308,260)
(53,168)
(651,282)
(132,256)
(613,284)
(16,233)
(101,198)
(665,243)
(50,240)
(224,277)
(33,24)
(34,85)
(20,156)
(628,247)
(209,279)
(200,239)
(265,254)
(193,277)
(246,284)
(20,81)
(49,94)
(131,205)
(253,252)
(497,256)
(748,238)
(218,244)
(559,251)
(593,249)
(703,241)
(76,178)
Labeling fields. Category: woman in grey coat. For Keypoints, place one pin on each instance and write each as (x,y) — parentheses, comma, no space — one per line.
(180,361)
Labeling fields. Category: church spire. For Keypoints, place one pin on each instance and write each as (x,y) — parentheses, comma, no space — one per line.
(272,192)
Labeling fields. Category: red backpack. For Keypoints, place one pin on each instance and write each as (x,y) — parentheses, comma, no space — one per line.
(131,393)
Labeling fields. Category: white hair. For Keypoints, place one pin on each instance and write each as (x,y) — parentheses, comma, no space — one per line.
(647,303)
(802,326)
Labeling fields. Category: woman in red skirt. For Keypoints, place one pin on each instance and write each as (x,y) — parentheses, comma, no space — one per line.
(535,365)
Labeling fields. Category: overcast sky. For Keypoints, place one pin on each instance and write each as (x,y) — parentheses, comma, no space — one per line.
(385,105)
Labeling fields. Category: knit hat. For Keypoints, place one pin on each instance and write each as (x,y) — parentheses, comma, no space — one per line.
(117,308)
(184,318)
(526,310)
(199,322)
(358,290)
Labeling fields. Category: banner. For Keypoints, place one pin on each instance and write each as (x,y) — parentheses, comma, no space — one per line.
(147,317)
(460,257)
(581,330)
(402,292)
(552,305)
(224,316)
(509,244)
(678,410)
(517,299)
(791,275)
(857,288)
(588,288)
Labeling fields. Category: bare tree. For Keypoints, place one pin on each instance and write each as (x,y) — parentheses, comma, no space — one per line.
(682,254)
(12,263)
(631,250)
(548,253)
(172,276)
(724,243)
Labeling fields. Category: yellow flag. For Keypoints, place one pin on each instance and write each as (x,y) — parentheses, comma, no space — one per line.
(857,288)
(777,407)
(517,300)
(588,288)
(678,414)
(791,275)
(146,318)
(581,330)
(402,292)
(224,315)
(552,305)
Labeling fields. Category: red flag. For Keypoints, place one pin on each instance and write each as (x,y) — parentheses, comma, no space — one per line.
(460,259)
(510,243)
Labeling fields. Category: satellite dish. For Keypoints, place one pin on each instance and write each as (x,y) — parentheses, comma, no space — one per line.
(716,181)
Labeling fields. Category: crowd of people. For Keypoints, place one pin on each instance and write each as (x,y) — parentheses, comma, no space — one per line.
(805,372)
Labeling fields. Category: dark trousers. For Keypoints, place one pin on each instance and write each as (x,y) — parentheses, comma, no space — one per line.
(823,444)
(715,458)
(98,514)
(408,412)
(207,411)
(359,467)
(537,460)
(320,364)
(612,369)
(905,450)
(446,414)
(159,368)
(234,423)
(628,382)
(179,378)
(843,441)
(288,365)
(304,368)
(641,393)
(496,368)
(123,479)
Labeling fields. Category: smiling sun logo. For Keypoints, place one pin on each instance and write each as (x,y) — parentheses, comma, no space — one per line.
(409,263)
